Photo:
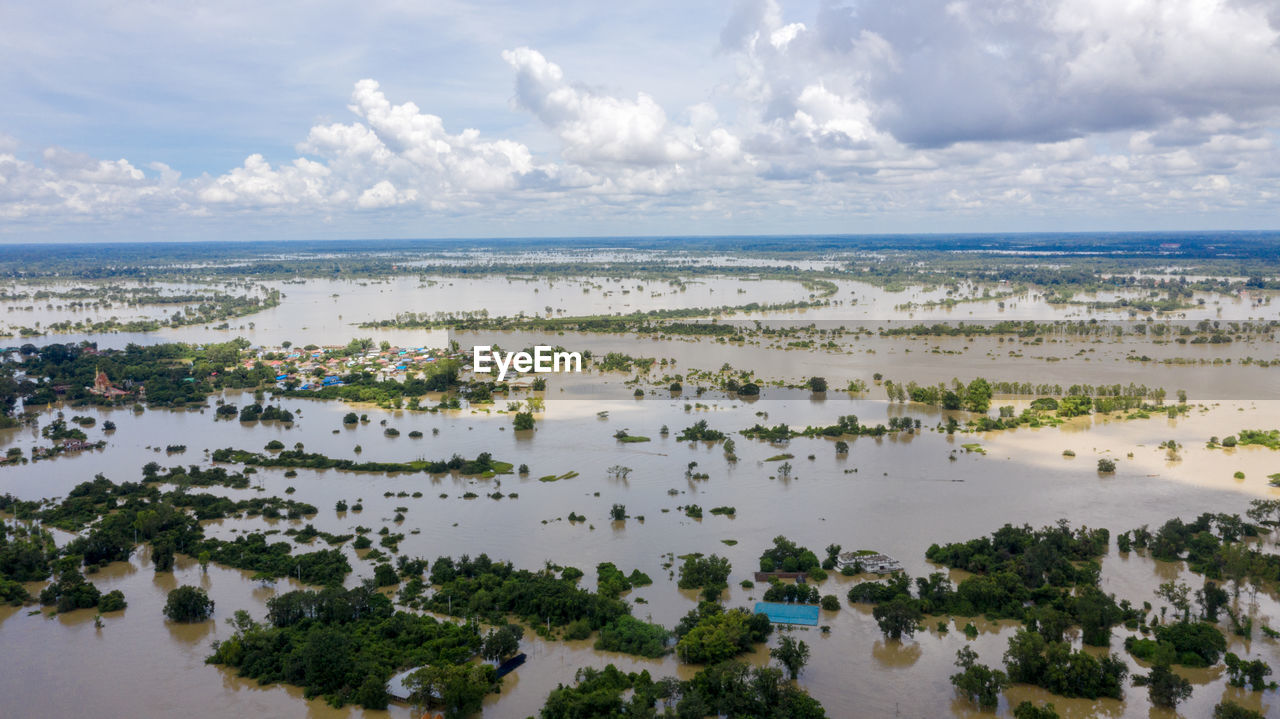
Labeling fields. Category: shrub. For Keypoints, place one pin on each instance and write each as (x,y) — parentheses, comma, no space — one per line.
(384,575)
(631,636)
(188,604)
(577,629)
(112,601)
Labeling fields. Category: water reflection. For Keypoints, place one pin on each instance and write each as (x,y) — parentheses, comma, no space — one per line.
(892,654)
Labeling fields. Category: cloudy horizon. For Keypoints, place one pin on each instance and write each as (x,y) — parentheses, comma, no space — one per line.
(230,120)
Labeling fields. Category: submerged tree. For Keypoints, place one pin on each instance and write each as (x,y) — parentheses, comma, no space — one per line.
(898,617)
(792,654)
(1165,688)
(459,690)
(501,643)
(188,604)
(978,683)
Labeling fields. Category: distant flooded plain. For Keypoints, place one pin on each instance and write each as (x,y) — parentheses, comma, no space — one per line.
(326,312)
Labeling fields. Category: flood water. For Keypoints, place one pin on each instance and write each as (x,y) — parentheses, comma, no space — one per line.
(907,492)
(327,312)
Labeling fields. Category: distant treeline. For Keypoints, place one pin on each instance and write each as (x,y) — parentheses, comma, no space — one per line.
(650,322)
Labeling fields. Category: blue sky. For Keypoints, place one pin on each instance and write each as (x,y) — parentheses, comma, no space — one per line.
(150,121)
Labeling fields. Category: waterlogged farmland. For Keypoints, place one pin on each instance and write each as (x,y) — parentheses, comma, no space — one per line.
(825,394)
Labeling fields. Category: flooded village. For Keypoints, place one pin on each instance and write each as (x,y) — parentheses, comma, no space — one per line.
(708,461)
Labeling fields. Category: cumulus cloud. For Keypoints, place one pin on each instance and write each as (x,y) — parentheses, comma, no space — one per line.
(624,144)
(936,72)
(939,106)
(76,185)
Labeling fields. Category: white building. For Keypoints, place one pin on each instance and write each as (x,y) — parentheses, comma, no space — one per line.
(873,563)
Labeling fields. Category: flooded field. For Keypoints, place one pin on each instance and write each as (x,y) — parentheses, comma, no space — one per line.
(896,494)
(329,312)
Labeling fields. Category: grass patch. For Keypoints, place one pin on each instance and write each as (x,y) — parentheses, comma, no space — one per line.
(557,478)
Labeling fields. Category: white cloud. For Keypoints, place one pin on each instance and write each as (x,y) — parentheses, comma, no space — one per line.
(594,127)
(1053,106)
(937,72)
(384,194)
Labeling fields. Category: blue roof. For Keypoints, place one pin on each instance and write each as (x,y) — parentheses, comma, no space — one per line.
(789,613)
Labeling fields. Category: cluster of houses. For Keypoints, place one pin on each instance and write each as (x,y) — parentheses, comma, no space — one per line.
(324,367)
(60,447)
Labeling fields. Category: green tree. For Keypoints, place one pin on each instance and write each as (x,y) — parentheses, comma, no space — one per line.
(384,575)
(1027,710)
(1178,594)
(1024,659)
(188,604)
(704,573)
(978,395)
(978,683)
(1230,710)
(898,617)
(326,657)
(792,654)
(1165,688)
(162,556)
(1211,599)
(501,643)
(459,690)
(632,636)
(1250,673)
(372,693)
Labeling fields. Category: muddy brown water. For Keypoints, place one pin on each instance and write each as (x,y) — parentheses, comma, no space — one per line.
(328,311)
(907,493)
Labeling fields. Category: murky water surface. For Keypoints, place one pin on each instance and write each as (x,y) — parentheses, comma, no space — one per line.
(330,311)
(896,495)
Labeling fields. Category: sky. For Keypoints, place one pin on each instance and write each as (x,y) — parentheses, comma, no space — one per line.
(202,120)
